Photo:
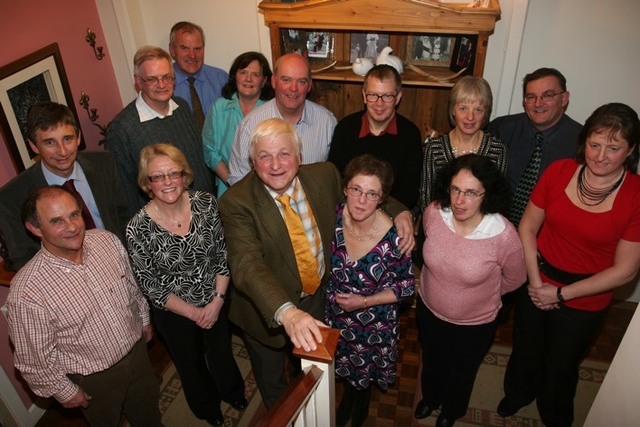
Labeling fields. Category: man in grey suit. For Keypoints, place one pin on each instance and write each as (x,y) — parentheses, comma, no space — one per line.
(54,134)
(269,303)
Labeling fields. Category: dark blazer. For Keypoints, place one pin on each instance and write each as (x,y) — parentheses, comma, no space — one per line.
(100,169)
(260,255)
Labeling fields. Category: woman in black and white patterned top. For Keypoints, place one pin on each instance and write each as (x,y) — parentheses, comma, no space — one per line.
(469,111)
(179,258)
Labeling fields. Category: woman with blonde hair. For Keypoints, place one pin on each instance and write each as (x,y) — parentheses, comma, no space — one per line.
(179,258)
(469,111)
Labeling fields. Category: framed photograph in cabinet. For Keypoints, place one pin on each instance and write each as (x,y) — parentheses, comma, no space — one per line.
(367,45)
(464,53)
(39,76)
(294,41)
(319,44)
(430,50)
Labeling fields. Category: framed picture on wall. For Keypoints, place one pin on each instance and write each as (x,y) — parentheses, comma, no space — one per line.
(464,54)
(39,76)
(367,45)
(430,50)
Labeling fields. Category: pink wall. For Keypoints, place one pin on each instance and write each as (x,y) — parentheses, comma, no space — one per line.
(31,25)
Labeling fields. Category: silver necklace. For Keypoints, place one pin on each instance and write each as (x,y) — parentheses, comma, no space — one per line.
(355,233)
(472,150)
(178,223)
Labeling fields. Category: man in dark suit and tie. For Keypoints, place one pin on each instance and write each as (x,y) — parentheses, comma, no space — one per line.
(272,304)
(54,134)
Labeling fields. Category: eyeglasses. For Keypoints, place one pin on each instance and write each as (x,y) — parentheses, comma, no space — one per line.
(173,176)
(153,81)
(373,97)
(545,97)
(357,192)
(469,194)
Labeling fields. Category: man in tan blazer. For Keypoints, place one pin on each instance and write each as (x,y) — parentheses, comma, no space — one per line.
(269,304)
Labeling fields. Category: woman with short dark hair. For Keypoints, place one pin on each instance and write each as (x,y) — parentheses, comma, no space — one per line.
(249,86)
(369,277)
(472,256)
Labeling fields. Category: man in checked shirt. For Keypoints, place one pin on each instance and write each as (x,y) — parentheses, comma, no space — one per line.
(77,319)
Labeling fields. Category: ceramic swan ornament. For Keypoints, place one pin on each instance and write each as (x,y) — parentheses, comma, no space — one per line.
(361,66)
(386,58)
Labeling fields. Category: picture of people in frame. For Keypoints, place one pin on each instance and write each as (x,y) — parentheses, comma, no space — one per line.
(367,45)
(465,54)
(294,41)
(432,48)
(318,44)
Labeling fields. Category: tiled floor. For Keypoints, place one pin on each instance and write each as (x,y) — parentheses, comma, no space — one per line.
(395,407)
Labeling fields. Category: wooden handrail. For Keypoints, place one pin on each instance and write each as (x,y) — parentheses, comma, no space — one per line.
(289,405)
(325,351)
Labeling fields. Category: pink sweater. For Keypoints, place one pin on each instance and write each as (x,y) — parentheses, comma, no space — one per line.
(463,279)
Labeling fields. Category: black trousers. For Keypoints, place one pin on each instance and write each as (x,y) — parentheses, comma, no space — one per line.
(548,347)
(451,357)
(204,360)
(268,363)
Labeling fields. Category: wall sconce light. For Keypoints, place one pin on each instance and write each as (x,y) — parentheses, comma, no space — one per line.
(91,39)
(92,113)
(84,102)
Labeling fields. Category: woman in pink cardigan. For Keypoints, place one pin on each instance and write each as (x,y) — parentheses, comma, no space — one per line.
(472,255)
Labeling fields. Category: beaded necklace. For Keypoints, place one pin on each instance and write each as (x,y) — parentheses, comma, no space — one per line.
(591,196)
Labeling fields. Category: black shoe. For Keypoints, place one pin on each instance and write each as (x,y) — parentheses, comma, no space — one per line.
(444,422)
(216,421)
(422,410)
(506,409)
(239,405)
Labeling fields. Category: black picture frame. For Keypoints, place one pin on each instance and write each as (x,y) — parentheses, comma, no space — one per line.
(39,76)
(464,53)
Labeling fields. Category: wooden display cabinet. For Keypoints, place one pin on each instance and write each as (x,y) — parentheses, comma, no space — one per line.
(425,100)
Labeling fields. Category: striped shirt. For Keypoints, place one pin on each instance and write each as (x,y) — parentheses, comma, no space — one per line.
(66,318)
(315,130)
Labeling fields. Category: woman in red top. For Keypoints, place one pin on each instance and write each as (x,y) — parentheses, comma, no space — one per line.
(581,239)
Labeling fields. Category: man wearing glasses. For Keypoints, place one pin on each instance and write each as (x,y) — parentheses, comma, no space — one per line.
(545,99)
(314,124)
(380,131)
(155,116)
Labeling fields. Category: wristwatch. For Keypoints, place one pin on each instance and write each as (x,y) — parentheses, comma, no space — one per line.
(559,294)
(223,297)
